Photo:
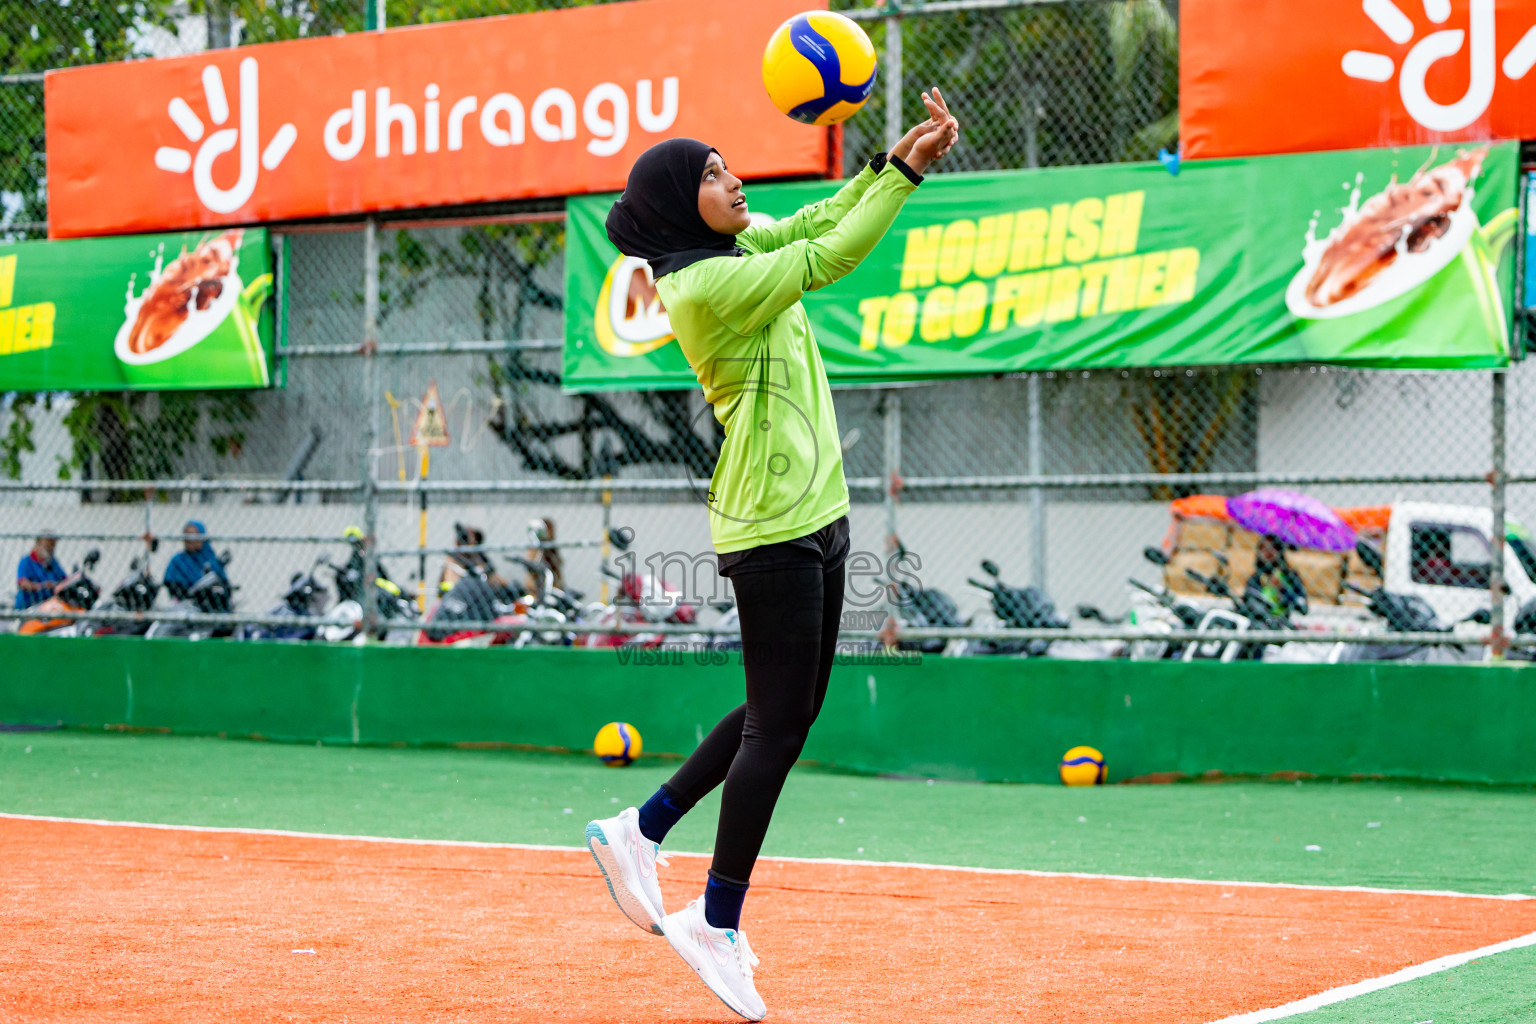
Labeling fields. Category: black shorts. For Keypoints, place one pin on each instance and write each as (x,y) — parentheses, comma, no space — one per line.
(826,549)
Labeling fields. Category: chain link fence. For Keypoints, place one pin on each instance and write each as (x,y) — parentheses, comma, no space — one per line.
(1059,480)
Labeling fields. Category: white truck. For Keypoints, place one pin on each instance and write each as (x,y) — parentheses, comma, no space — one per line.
(1443,554)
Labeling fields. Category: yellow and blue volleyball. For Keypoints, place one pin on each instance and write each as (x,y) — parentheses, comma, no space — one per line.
(819,67)
(617,744)
(1082,766)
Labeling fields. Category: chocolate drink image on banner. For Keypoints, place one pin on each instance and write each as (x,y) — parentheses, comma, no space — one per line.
(194,318)
(1411,254)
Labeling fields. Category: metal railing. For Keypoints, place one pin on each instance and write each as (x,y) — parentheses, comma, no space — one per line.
(1062,477)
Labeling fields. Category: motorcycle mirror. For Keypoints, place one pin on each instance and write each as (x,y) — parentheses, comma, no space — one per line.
(92,557)
(1369,554)
(1482,616)
(1088,611)
(989,567)
(621,537)
(226,557)
(1221,559)
(1155,556)
(324,558)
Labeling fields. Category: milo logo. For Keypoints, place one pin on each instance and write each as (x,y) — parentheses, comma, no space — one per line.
(630,319)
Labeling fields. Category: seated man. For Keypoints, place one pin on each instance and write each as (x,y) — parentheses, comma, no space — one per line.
(190,563)
(38,574)
(1274,582)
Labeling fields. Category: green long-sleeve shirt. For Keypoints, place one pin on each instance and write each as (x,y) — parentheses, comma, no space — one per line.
(746,336)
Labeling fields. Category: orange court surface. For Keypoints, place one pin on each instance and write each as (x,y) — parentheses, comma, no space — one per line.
(127,923)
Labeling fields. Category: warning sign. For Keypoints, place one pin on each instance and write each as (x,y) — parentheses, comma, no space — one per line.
(431,427)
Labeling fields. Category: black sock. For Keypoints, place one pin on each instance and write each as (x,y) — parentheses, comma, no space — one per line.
(722,902)
(658,815)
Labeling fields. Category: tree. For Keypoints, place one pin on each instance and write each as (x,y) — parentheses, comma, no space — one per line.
(1037,85)
(40,35)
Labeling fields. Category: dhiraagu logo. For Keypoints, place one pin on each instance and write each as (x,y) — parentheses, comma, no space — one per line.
(213,145)
(1477,41)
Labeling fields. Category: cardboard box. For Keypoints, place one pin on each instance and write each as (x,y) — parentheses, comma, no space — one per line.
(1194,534)
(1200,561)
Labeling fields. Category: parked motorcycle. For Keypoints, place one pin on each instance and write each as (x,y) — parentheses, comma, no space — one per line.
(76,593)
(305,597)
(1157,609)
(393,607)
(210,594)
(644,600)
(920,607)
(1017,608)
(1403,613)
(135,593)
(1247,612)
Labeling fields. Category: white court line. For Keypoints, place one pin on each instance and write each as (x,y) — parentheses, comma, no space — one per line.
(1026,872)
(1360,988)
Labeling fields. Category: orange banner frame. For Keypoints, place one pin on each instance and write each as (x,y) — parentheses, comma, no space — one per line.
(544,104)
(1287,76)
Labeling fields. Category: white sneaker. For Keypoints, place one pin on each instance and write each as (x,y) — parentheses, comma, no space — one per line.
(628,861)
(720,956)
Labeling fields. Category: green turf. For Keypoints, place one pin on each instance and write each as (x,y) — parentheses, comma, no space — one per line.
(1499,989)
(1379,834)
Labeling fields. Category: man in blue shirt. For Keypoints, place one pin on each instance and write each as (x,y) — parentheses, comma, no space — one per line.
(189,564)
(38,575)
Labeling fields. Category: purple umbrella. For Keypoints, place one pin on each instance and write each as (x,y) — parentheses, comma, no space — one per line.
(1294,518)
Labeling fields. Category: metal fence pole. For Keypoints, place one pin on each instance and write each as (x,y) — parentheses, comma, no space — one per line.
(1036,494)
(371,429)
(892,422)
(891,418)
(891,399)
(893,132)
(1500,641)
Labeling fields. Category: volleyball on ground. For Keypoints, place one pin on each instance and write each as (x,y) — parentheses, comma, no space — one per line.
(617,743)
(1082,766)
(819,67)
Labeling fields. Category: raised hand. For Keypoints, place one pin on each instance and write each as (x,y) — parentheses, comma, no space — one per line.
(933,145)
(938,113)
(940,123)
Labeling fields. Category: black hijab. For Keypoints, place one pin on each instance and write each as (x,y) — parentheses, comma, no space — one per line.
(657,218)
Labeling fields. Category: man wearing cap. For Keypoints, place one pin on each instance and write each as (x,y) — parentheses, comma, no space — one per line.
(189,564)
(38,574)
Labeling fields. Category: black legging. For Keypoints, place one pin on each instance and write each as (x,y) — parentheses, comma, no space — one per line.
(789,623)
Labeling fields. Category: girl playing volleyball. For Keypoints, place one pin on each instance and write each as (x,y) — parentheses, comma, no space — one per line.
(778,502)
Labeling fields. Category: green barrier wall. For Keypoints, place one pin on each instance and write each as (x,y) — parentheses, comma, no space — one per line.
(957,718)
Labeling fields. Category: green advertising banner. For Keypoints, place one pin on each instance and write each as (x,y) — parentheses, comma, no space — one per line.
(1379,257)
(140,312)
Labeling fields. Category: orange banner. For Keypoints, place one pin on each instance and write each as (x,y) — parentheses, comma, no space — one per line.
(545,104)
(1282,76)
